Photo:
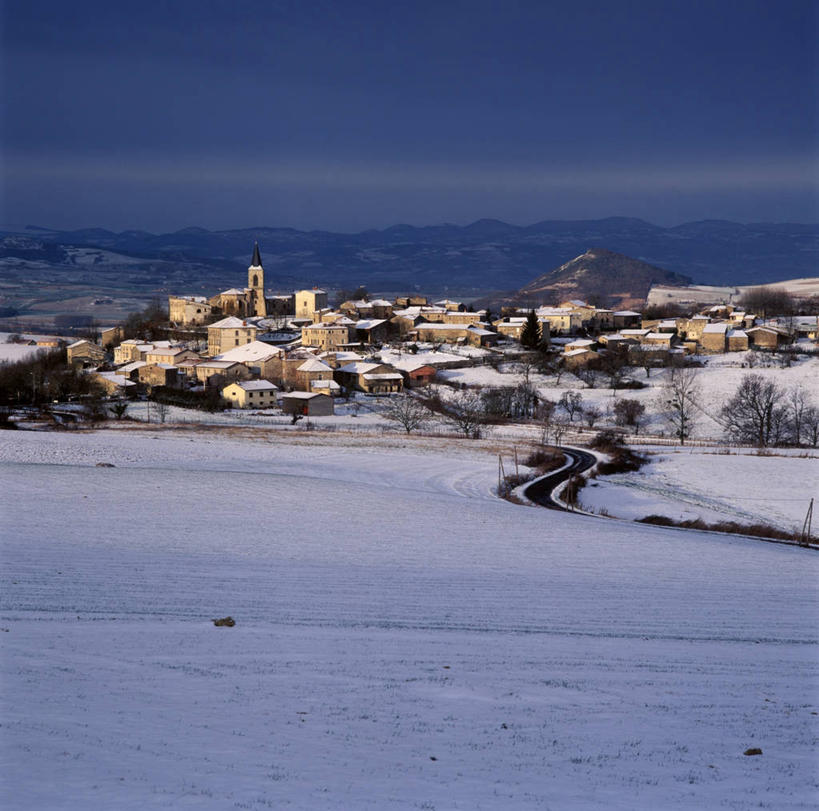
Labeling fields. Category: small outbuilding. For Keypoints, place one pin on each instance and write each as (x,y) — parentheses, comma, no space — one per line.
(308,404)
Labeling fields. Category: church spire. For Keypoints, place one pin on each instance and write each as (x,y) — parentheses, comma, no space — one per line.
(256,262)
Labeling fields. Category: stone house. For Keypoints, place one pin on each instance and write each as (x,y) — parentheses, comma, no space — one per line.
(370,330)
(261,359)
(372,378)
(453,333)
(737,340)
(310,370)
(578,357)
(410,301)
(325,336)
(251,394)
(714,338)
(766,337)
(220,372)
(85,353)
(191,310)
(309,302)
(158,374)
(626,319)
(229,333)
(170,355)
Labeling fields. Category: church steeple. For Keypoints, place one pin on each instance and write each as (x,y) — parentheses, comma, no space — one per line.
(255,281)
(256,262)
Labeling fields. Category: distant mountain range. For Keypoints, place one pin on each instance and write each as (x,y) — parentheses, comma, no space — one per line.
(488,255)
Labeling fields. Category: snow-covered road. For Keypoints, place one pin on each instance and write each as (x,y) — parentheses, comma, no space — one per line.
(404,639)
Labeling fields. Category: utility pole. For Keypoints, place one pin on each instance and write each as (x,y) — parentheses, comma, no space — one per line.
(804,538)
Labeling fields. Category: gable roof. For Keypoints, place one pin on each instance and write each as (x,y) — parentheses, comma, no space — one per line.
(314,365)
(255,350)
(232,322)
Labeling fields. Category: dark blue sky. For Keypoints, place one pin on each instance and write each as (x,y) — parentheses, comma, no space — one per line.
(348,115)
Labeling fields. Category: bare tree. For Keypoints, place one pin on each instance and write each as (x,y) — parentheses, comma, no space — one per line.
(465,413)
(406,411)
(559,428)
(614,364)
(572,403)
(629,411)
(797,403)
(755,413)
(592,413)
(642,357)
(810,426)
(680,408)
(768,301)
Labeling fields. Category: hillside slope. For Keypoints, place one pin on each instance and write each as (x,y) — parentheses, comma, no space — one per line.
(602,276)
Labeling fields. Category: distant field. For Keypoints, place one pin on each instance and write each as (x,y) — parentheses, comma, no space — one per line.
(706,294)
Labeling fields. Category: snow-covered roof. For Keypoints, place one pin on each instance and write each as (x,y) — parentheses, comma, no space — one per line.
(255,385)
(314,365)
(737,333)
(341,355)
(325,384)
(628,313)
(714,329)
(381,302)
(120,380)
(234,291)
(580,342)
(80,343)
(359,367)
(326,327)
(302,395)
(255,350)
(369,323)
(217,364)
(575,352)
(659,336)
(384,376)
(231,322)
(167,351)
(634,332)
(131,367)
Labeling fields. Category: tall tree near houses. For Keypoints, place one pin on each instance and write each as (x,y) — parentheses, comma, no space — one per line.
(530,334)
(755,413)
(680,407)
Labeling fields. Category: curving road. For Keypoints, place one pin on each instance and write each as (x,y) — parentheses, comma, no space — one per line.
(540,491)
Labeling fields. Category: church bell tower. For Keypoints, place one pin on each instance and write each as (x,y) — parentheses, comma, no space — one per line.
(255,282)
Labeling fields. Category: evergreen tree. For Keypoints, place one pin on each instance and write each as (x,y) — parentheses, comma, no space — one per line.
(530,335)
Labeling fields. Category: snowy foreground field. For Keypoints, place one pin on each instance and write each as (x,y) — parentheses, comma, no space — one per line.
(404,639)
(773,488)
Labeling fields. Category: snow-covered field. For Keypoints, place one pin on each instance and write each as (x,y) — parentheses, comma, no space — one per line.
(718,379)
(404,639)
(690,483)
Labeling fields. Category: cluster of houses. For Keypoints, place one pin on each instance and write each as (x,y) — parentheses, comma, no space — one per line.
(299,352)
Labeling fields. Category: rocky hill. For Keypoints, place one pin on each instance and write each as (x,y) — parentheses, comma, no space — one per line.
(604,277)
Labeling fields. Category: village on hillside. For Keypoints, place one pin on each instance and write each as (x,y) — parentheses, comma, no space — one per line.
(298,355)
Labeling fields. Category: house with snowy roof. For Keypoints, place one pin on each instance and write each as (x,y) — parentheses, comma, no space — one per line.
(263,360)
(372,378)
(251,394)
(325,336)
(85,353)
(310,370)
(308,404)
(229,333)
